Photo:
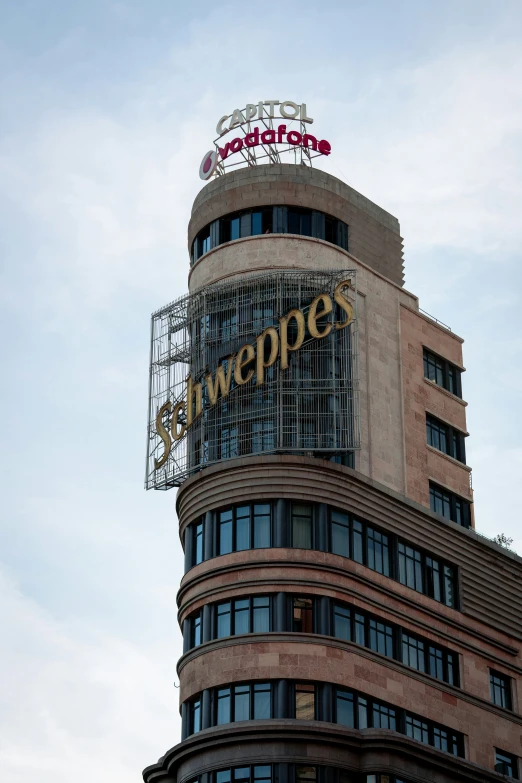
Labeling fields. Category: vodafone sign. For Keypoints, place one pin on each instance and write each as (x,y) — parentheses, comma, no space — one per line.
(260,140)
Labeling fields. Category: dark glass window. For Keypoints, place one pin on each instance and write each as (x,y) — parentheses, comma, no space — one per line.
(429,658)
(261,614)
(506,764)
(243,527)
(302,520)
(442,372)
(244,701)
(443,437)
(195,634)
(378,552)
(383,717)
(225,532)
(242,615)
(304,701)
(449,505)
(340,534)
(250,526)
(344,708)
(343,623)
(198,543)
(194,708)
(390,640)
(358,711)
(249,774)
(302,615)
(380,637)
(500,689)
(268,219)
(426,575)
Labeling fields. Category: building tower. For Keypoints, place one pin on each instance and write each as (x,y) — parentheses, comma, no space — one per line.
(342,621)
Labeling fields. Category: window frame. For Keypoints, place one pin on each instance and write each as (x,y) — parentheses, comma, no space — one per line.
(504,687)
(448,370)
(454,439)
(450,499)
(274,218)
(511,759)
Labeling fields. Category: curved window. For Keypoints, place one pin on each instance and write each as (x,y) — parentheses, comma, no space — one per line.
(270,220)
(289,613)
(293,773)
(320,527)
(281,699)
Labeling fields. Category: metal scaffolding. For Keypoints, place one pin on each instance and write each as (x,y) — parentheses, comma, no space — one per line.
(312,407)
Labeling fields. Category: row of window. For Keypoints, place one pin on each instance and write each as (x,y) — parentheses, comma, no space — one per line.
(442,372)
(319,527)
(270,220)
(313,701)
(284,613)
(292,773)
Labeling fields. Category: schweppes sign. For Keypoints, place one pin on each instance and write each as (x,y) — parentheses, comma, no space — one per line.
(271,345)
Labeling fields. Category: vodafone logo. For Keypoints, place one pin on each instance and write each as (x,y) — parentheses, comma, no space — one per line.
(267,143)
(208,164)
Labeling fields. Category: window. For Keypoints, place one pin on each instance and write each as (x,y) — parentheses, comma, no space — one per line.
(340,534)
(390,640)
(198,543)
(249,774)
(304,701)
(442,372)
(429,658)
(351,538)
(342,623)
(244,701)
(194,710)
(358,711)
(449,505)
(195,629)
(432,734)
(242,615)
(506,764)
(267,220)
(302,615)
(249,526)
(305,774)
(380,637)
(500,689)
(244,527)
(302,533)
(443,437)
(426,575)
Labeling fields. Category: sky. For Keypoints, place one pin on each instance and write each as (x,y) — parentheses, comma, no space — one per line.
(106,109)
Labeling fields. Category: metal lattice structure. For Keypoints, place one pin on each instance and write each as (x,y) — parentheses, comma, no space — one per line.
(312,407)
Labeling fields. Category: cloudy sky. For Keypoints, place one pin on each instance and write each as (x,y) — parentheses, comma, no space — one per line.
(106,110)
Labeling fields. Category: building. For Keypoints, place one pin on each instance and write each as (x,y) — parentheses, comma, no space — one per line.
(342,620)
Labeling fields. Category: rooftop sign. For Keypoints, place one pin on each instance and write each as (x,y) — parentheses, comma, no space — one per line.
(258,139)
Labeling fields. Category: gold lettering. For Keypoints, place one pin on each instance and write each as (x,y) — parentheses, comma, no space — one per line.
(313,315)
(193,389)
(164,435)
(343,303)
(219,383)
(174,423)
(240,363)
(261,365)
(285,347)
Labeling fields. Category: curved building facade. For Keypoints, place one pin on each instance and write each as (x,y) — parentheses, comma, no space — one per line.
(342,621)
